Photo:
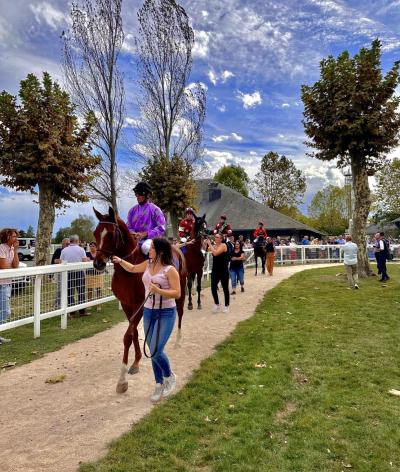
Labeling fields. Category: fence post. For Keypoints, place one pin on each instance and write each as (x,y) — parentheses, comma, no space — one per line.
(303,254)
(281,254)
(37,292)
(64,298)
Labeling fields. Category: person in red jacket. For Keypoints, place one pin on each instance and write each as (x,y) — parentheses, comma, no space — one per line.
(186,224)
(260,231)
(222,227)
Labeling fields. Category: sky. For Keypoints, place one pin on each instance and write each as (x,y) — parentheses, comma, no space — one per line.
(251,55)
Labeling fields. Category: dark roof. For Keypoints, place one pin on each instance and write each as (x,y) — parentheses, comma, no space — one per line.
(243,213)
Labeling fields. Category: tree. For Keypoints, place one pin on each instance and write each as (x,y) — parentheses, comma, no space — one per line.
(96,84)
(30,232)
(279,183)
(61,234)
(234,177)
(83,226)
(387,187)
(350,115)
(42,147)
(329,210)
(172,183)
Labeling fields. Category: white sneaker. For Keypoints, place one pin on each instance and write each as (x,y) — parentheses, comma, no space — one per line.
(4,340)
(216,308)
(158,391)
(169,385)
(225,309)
(356,286)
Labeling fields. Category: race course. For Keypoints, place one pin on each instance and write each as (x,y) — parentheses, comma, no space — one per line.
(54,427)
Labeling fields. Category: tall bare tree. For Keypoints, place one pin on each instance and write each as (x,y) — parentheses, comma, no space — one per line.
(91,51)
(172,111)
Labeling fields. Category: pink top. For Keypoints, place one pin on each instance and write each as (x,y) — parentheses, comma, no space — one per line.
(7,253)
(160,279)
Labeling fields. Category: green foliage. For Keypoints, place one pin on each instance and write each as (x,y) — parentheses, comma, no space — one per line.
(61,234)
(278,183)
(41,144)
(172,183)
(329,209)
(319,404)
(387,188)
(351,112)
(234,177)
(30,232)
(83,226)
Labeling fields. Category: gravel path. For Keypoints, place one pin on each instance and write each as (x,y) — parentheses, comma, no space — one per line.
(54,427)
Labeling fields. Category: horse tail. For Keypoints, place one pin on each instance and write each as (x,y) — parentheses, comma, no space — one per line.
(181,259)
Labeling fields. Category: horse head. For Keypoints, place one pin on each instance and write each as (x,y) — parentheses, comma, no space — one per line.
(112,238)
(200,226)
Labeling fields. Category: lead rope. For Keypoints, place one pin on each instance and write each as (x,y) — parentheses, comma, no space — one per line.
(152,322)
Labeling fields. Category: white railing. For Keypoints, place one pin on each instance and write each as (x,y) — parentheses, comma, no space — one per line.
(38,293)
(44,292)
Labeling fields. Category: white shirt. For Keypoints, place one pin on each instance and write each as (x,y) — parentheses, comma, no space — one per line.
(350,251)
(72,253)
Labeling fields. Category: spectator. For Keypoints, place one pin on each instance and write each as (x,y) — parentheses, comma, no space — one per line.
(94,279)
(56,259)
(230,243)
(8,260)
(383,251)
(236,267)
(76,278)
(341,240)
(305,241)
(241,239)
(350,252)
(219,271)
(161,279)
(270,250)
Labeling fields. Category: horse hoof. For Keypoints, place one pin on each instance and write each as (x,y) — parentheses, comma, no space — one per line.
(199,307)
(190,307)
(133,370)
(122,387)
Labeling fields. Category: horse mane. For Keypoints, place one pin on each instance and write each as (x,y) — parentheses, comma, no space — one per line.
(127,236)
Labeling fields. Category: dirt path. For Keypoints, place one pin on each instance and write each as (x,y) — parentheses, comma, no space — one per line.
(52,428)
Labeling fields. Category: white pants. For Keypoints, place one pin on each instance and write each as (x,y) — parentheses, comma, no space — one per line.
(145,247)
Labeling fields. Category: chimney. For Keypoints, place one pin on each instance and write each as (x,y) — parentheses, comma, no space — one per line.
(214,193)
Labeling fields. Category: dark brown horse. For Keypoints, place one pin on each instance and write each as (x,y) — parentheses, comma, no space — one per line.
(260,252)
(114,239)
(195,258)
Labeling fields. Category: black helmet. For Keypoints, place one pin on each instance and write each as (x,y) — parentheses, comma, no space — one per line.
(142,188)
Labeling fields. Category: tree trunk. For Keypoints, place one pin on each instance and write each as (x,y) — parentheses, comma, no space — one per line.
(113,176)
(47,215)
(362,203)
(174,223)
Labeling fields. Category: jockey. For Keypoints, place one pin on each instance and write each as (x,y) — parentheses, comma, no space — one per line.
(186,225)
(145,220)
(260,231)
(222,227)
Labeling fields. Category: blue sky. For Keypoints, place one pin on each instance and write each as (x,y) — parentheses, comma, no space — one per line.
(252,55)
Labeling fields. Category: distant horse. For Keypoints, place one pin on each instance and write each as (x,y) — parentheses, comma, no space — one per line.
(195,258)
(114,239)
(260,252)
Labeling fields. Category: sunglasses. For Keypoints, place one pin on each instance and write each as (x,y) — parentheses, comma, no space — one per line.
(140,194)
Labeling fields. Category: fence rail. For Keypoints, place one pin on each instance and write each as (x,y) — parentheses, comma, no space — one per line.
(38,293)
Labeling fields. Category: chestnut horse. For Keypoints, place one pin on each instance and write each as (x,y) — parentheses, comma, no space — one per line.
(114,239)
(195,258)
(260,252)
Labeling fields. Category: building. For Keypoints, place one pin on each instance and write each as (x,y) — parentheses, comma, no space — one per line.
(244,213)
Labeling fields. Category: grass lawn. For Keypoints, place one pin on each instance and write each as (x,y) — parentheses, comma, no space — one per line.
(301,386)
(24,348)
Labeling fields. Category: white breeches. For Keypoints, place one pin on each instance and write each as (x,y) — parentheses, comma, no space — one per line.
(145,247)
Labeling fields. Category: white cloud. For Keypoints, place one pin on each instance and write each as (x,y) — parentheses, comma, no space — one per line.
(222,77)
(131,122)
(250,100)
(201,46)
(53,17)
(285,105)
(253,153)
(227,137)
(222,108)
(204,14)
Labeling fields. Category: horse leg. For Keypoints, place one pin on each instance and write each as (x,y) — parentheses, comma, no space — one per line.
(255,258)
(199,277)
(134,368)
(263,264)
(180,305)
(122,384)
(189,285)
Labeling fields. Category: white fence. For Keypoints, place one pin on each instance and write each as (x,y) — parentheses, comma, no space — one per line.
(44,292)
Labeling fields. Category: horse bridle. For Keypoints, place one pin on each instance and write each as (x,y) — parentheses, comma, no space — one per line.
(120,240)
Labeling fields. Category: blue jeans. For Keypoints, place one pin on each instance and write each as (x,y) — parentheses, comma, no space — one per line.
(5,307)
(237,274)
(166,318)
